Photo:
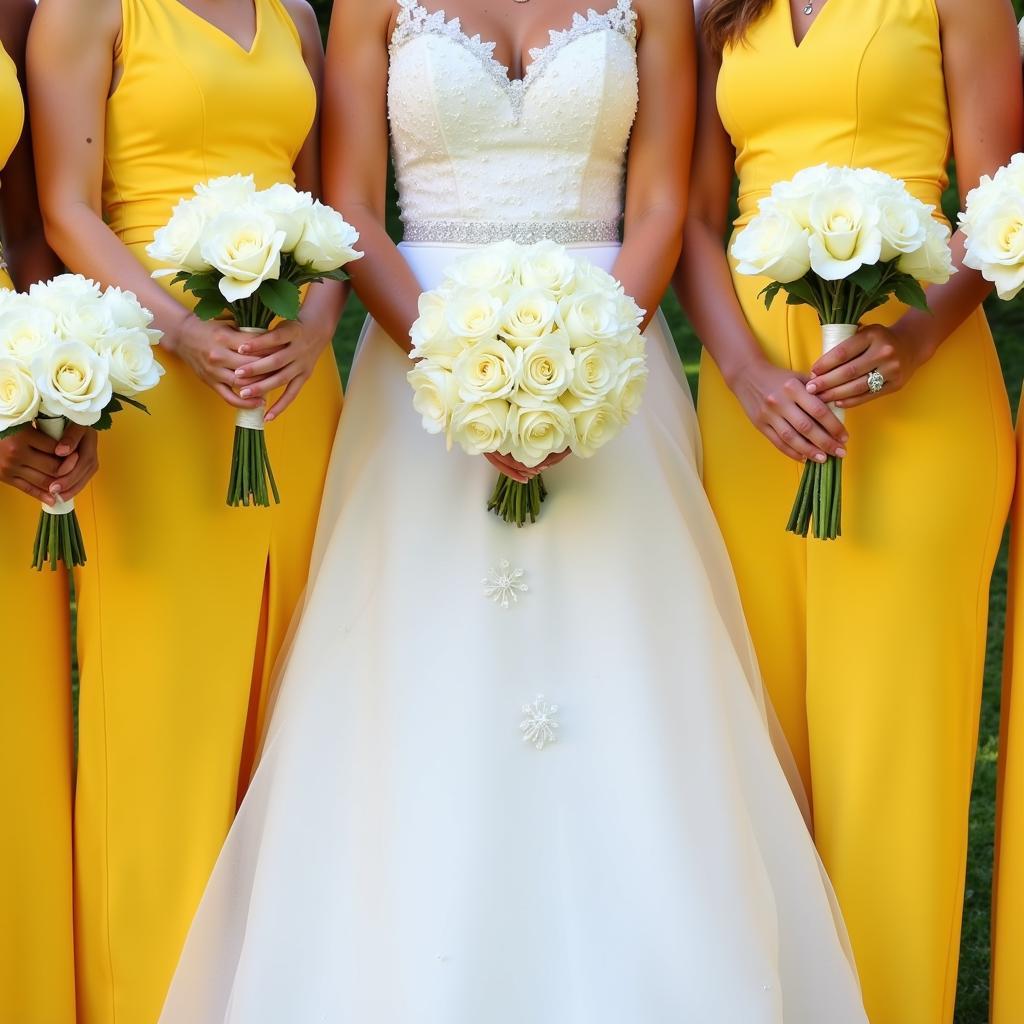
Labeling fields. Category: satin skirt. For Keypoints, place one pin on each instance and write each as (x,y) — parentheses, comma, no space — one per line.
(403,857)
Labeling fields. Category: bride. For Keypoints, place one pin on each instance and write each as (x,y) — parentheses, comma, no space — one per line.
(403,857)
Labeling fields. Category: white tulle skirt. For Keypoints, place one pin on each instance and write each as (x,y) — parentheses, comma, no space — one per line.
(404,857)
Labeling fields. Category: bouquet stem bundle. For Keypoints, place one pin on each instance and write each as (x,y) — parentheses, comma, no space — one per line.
(819,498)
(59,537)
(515,502)
(251,479)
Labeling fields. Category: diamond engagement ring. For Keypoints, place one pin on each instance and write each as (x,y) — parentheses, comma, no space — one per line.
(875,381)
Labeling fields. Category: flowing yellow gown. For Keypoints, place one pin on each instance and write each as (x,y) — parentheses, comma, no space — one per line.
(37,975)
(872,647)
(1008,888)
(184,602)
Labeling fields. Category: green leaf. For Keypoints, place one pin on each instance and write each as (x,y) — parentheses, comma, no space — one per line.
(11,431)
(129,401)
(800,293)
(769,293)
(205,282)
(910,293)
(868,277)
(210,308)
(281,297)
(106,421)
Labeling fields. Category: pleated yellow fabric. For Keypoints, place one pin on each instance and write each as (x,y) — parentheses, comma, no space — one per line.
(185,602)
(872,647)
(37,975)
(1008,894)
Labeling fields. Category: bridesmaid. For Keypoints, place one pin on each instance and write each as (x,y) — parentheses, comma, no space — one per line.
(37,979)
(185,602)
(872,647)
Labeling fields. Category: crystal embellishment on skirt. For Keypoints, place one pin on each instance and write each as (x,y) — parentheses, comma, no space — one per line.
(504,584)
(540,726)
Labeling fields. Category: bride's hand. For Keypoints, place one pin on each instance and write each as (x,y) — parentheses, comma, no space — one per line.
(285,357)
(211,350)
(799,424)
(524,474)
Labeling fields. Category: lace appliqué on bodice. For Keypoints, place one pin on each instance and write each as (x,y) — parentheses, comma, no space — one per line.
(472,144)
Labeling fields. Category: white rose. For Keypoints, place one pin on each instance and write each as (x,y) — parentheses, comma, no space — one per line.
(431,338)
(132,365)
(527,316)
(327,240)
(435,395)
(26,329)
(179,242)
(794,197)
(995,245)
(245,246)
(19,396)
(629,394)
(73,382)
(480,427)
(289,207)
(844,232)
(63,291)
(591,318)
(595,427)
(547,367)
(903,224)
(487,370)
(540,431)
(773,245)
(549,267)
(125,309)
(596,374)
(877,184)
(88,320)
(494,269)
(932,263)
(225,193)
(591,278)
(472,314)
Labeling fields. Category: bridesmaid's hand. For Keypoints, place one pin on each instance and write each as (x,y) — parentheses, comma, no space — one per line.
(45,469)
(841,376)
(799,424)
(524,474)
(211,350)
(284,357)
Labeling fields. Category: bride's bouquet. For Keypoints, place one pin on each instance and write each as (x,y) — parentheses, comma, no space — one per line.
(70,353)
(527,351)
(841,241)
(249,253)
(993,225)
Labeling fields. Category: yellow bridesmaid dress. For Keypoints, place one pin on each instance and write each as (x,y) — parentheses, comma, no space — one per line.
(872,647)
(37,974)
(1008,888)
(184,603)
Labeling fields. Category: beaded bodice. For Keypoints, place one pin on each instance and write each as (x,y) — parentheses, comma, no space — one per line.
(473,146)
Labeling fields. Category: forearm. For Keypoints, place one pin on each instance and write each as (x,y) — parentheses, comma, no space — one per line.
(383,280)
(650,250)
(950,305)
(87,246)
(704,284)
(324,304)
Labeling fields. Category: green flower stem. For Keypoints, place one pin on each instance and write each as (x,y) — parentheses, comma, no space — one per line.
(515,502)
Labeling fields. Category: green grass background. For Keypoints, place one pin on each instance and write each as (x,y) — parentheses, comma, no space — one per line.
(1008,326)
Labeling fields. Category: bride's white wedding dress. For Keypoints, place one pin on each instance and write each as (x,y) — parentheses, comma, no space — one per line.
(403,856)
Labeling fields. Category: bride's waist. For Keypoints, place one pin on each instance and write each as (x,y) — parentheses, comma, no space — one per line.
(475,232)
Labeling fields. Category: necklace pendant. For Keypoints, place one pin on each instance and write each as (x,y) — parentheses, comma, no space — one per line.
(808,10)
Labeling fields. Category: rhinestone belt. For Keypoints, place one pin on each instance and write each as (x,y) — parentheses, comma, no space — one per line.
(484,232)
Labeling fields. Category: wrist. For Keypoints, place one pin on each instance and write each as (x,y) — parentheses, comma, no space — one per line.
(736,374)
(171,340)
(915,338)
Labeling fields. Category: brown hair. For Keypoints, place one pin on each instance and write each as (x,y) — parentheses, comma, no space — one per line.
(727,21)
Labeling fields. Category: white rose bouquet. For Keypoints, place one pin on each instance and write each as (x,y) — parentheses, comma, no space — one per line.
(249,253)
(841,241)
(527,351)
(71,353)
(993,224)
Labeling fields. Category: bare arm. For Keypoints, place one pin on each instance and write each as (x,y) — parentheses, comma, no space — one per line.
(355,158)
(659,154)
(774,398)
(981,59)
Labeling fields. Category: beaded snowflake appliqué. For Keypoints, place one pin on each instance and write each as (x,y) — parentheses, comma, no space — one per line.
(540,726)
(504,584)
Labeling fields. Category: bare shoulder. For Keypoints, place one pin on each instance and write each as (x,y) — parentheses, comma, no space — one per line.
(304,16)
(94,20)
(991,13)
(669,13)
